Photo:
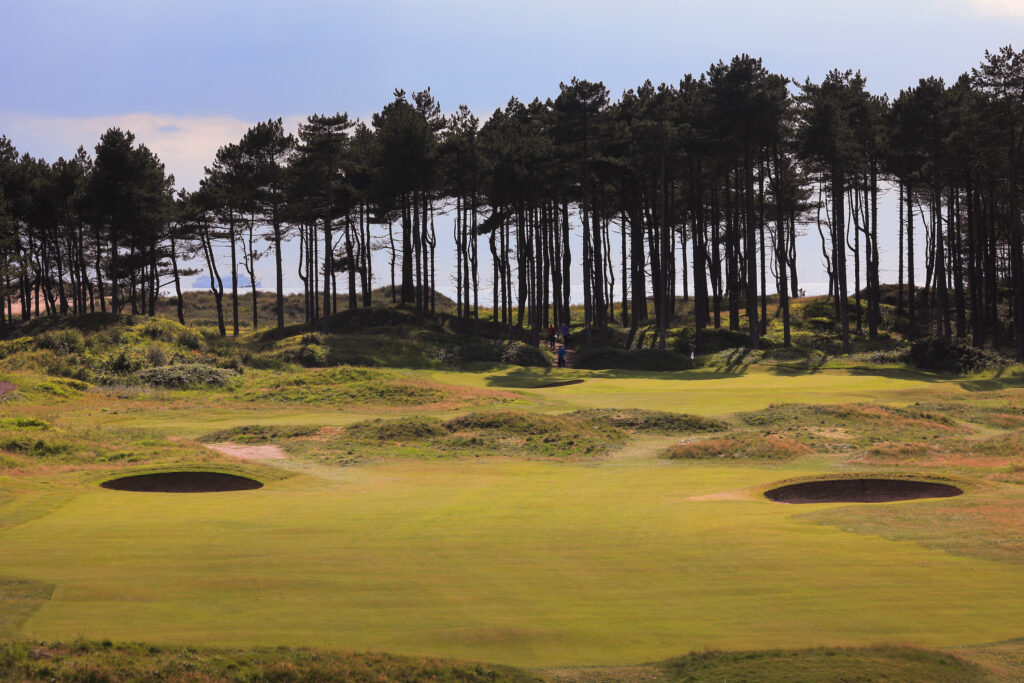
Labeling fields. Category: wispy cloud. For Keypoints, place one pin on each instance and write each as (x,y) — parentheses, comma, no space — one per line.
(184,143)
(1002,8)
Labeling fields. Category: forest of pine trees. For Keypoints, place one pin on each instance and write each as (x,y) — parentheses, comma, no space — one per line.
(700,187)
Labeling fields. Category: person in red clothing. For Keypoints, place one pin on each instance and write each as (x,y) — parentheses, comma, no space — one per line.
(551,336)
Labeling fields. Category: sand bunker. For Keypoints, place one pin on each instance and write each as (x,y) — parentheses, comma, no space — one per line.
(552,385)
(860,491)
(182,482)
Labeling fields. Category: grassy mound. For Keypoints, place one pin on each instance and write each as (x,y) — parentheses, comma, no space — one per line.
(474,435)
(105,661)
(739,446)
(849,426)
(652,421)
(257,434)
(360,386)
(822,665)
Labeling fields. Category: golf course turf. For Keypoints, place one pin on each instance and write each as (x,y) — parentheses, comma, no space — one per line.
(463,533)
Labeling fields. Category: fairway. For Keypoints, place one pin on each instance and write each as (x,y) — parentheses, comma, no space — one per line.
(523,560)
(519,563)
(714,392)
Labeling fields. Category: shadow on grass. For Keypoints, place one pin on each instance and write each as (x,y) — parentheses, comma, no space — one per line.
(534,378)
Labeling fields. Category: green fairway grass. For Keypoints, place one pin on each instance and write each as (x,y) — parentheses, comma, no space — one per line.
(515,555)
(515,563)
(715,392)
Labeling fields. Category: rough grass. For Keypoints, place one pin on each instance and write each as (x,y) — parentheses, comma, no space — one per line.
(361,386)
(824,665)
(988,524)
(104,661)
(766,446)
(505,433)
(652,421)
(260,434)
(827,428)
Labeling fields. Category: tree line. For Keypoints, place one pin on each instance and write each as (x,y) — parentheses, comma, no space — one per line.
(700,187)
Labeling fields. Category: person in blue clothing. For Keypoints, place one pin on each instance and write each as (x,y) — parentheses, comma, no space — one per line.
(561,356)
(565,334)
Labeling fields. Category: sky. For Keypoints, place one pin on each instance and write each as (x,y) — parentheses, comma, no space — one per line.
(187,77)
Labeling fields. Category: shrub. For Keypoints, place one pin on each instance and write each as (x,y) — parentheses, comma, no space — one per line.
(312,356)
(160,329)
(185,375)
(124,361)
(311,338)
(23,423)
(63,387)
(713,340)
(32,447)
(820,324)
(605,359)
(156,355)
(959,357)
(191,339)
(13,346)
(518,353)
(62,341)
(508,352)
(821,307)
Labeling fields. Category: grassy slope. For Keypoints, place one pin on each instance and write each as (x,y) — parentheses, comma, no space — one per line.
(528,563)
(518,563)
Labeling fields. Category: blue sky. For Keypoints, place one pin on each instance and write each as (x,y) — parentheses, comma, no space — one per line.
(188,76)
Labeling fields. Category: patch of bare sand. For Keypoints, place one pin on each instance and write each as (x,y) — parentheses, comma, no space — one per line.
(248,452)
(739,494)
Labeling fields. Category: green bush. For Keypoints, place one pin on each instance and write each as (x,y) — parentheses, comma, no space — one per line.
(313,338)
(508,352)
(63,387)
(819,308)
(956,356)
(160,329)
(124,361)
(820,324)
(32,447)
(62,341)
(23,423)
(191,339)
(312,356)
(606,359)
(13,346)
(185,375)
(713,340)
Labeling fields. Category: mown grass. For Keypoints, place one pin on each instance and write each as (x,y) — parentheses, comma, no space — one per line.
(517,562)
(518,535)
